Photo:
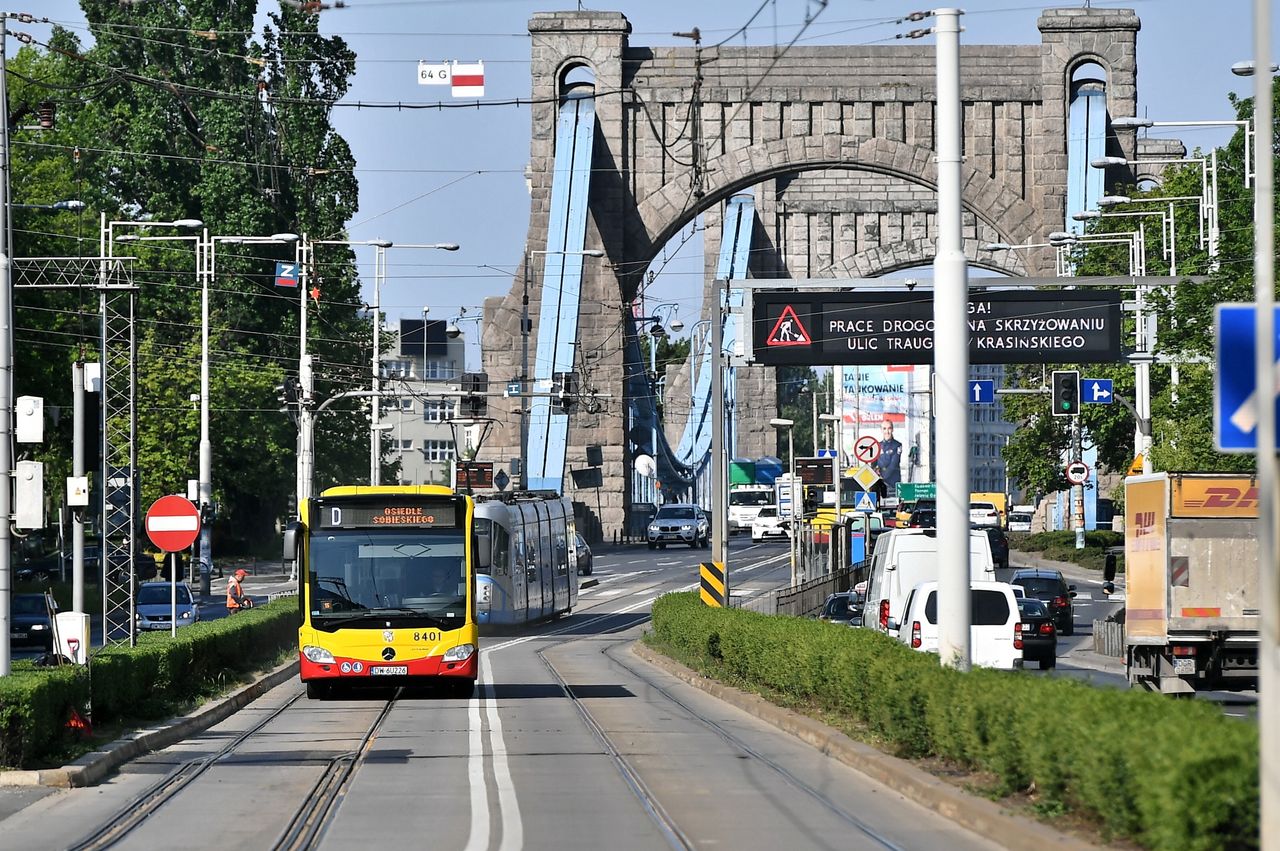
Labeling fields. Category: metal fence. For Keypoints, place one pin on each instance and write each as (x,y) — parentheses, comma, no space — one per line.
(1108,637)
(801,600)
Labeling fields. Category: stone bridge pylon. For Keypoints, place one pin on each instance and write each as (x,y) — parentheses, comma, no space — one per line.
(837,146)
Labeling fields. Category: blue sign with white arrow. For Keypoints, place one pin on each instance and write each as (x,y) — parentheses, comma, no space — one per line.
(1096,391)
(982,392)
(826,453)
(1235,394)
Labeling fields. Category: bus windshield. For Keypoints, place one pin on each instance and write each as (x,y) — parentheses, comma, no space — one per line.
(388,572)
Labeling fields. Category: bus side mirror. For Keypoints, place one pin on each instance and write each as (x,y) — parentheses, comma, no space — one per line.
(290,547)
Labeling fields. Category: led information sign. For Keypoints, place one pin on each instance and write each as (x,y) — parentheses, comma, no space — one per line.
(815,471)
(866,328)
(364,513)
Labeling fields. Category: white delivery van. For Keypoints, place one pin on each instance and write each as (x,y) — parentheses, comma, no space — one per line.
(995,637)
(903,558)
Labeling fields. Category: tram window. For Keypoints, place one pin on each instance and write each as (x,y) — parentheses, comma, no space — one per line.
(501,550)
(562,553)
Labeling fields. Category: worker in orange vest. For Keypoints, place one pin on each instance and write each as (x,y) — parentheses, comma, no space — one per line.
(236,599)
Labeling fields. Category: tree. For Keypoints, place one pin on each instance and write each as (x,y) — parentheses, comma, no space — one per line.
(1182,415)
(176,112)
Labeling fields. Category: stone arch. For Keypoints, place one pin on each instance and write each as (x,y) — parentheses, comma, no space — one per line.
(907,254)
(663,213)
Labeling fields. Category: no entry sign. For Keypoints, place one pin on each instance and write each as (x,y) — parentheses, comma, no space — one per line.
(172,523)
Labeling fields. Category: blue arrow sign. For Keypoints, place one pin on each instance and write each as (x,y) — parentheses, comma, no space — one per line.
(1235,396)
(982,392)
(826,453)
(866,501)
(1096,391)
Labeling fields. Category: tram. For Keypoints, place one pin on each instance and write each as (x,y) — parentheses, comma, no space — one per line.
(385,587)
(528,550)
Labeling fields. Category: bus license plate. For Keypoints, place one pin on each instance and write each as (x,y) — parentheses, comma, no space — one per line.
(388,670)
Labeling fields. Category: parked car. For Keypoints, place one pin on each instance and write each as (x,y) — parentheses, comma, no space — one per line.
(1050,588)
(995,638)
(843,607)
(1019,521)
(154,610)
(769,525)
(29,621)
(999,545)
(1039,634)
(984,514)
(679,523)
(584,556)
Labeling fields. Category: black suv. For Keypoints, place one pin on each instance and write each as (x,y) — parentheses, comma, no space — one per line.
(1050,588)
(999,545)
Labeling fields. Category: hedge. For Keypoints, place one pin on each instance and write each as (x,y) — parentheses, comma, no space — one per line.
(137,683)
(1170,774)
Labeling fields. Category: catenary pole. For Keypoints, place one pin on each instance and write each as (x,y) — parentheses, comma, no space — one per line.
(719,469)
(77,471)
(6,368)
(951,354)
(1268,474)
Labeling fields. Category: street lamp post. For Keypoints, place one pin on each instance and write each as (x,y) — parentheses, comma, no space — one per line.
(657,332)
(837,432)
(783,424)
(526,327)
(379,275)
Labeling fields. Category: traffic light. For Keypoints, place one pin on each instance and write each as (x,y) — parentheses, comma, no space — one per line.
(289,394)
(564,391)
(475,402)
(1066,393)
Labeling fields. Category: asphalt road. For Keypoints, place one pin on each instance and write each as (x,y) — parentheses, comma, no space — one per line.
(570,742)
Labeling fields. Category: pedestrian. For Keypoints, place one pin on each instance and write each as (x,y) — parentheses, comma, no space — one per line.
(236,598)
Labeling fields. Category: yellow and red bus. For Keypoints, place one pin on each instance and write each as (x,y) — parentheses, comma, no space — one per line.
(386,588)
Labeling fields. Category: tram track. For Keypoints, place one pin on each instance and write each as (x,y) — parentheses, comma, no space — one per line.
(321,803)
(137,811)
(611,653)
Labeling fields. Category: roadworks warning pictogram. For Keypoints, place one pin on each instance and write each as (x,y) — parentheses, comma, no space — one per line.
(789,330)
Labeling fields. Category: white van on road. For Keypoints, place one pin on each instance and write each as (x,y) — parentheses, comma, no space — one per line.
(995,638)
(903,558)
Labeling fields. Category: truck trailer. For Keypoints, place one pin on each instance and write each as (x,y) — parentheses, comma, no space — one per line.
(1192,590)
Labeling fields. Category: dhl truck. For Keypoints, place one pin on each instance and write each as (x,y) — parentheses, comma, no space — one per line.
(1192,591)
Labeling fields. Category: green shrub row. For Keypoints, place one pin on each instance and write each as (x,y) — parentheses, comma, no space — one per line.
(1061,546)
(1172,775)
(137,683)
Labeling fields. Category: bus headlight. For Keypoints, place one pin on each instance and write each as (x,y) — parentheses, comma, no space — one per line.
(460,653)
(317,654)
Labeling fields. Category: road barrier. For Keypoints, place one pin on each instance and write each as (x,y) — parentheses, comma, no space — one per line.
(1108,636)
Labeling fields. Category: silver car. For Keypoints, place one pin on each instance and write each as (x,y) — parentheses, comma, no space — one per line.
(154,610)
(679,523)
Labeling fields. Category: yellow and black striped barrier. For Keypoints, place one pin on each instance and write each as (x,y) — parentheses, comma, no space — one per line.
(714,590)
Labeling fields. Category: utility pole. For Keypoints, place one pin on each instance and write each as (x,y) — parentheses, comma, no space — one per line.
(1077,491)
(305,382)
(524,376)
(1268,474)
(204,271)
(719,469)
(6,368)
(77,471)
(951,353)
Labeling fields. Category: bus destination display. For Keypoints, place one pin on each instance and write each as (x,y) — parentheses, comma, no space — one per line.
(364,514)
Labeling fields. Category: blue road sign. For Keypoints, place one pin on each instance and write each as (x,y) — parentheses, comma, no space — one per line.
(826,453)
(982,392)
(514,388)
(1235,397)
(286,274)
(1096,391)
(866,501)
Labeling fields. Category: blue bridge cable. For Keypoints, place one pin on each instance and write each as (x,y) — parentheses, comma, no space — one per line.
(561,285)
(694,450)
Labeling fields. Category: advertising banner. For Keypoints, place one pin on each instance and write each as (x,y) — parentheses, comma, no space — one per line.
(891,405)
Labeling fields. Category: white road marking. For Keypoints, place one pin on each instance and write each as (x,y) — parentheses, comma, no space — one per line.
(512,826)
(479,838)
(1083,597)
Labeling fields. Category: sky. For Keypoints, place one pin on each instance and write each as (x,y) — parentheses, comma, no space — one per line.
(429,176)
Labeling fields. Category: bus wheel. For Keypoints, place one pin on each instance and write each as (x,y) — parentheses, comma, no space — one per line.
(317,690)
(461,689)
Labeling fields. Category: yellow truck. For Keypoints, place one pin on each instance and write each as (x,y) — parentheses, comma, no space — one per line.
(999,500)
(1191,577)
